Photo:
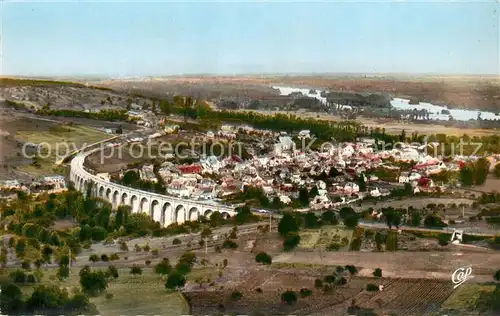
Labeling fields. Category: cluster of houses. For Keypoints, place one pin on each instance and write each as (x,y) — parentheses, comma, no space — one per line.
(47,184)
(336,172)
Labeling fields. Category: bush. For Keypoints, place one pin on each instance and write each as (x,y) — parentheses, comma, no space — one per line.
(236,295)
(112,272)
(263,258)
(305,292)
(229,244)
(258,290)
(496,276)
(371,287)
(135,270)
(340,281)
(137,248)
(104,257)
(114,257)
(93,258)
(333,247)
(377,273)
(352,269)
(108,296)
(318,283)
(289,297)
(146,248)
(123,246)
(176,241)
(154,252)
(18,276)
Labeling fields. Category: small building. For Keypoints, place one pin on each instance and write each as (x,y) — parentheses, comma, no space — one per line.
(58,182)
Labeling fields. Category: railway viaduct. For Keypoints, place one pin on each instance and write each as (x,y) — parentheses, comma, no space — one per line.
(164,209)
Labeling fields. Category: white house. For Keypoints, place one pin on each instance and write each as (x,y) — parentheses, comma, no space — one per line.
(404,177)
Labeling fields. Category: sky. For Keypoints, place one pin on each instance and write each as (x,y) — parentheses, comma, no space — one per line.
(123,39)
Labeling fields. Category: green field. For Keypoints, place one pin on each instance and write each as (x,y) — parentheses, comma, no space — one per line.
(131,295)
(324,236)
(468,296)
(61,140)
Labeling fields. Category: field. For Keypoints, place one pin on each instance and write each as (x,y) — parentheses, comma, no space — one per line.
(57,140)
(467,297)
(321,238)
(407,297)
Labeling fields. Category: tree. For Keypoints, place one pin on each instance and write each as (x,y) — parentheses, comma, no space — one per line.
(329,217)
(311,220)
(303,197)
(287,224)
(163,267)
(289,297)
(183,267)
(496,276)
(263,258)
(64,261)
(92,282)
(415,219)
(175,280)
(291,241)
(433,221)
(165,107)
(443,240)
(313,192)
(351,221)
(496,170)
(377,273)
(379,240)
(112,272)
(10,298)
(135,270)
(63,272)
(205,233)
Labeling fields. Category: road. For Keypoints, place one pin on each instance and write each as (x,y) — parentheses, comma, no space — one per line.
(474,231)
(467,230)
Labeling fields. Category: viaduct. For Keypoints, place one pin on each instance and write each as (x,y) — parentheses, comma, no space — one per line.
(164,209)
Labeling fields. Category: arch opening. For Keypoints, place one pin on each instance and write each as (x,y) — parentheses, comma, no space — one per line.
(154,211)
(134,203)
(179,214)
(193,214)
(166,214)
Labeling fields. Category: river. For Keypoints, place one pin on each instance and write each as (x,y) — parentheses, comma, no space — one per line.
(403,104)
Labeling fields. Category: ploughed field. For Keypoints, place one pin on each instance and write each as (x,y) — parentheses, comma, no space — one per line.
(400,296)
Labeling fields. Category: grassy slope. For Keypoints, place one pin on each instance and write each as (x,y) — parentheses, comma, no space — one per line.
(74,136)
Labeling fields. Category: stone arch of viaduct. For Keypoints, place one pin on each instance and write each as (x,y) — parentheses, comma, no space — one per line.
(164,209)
